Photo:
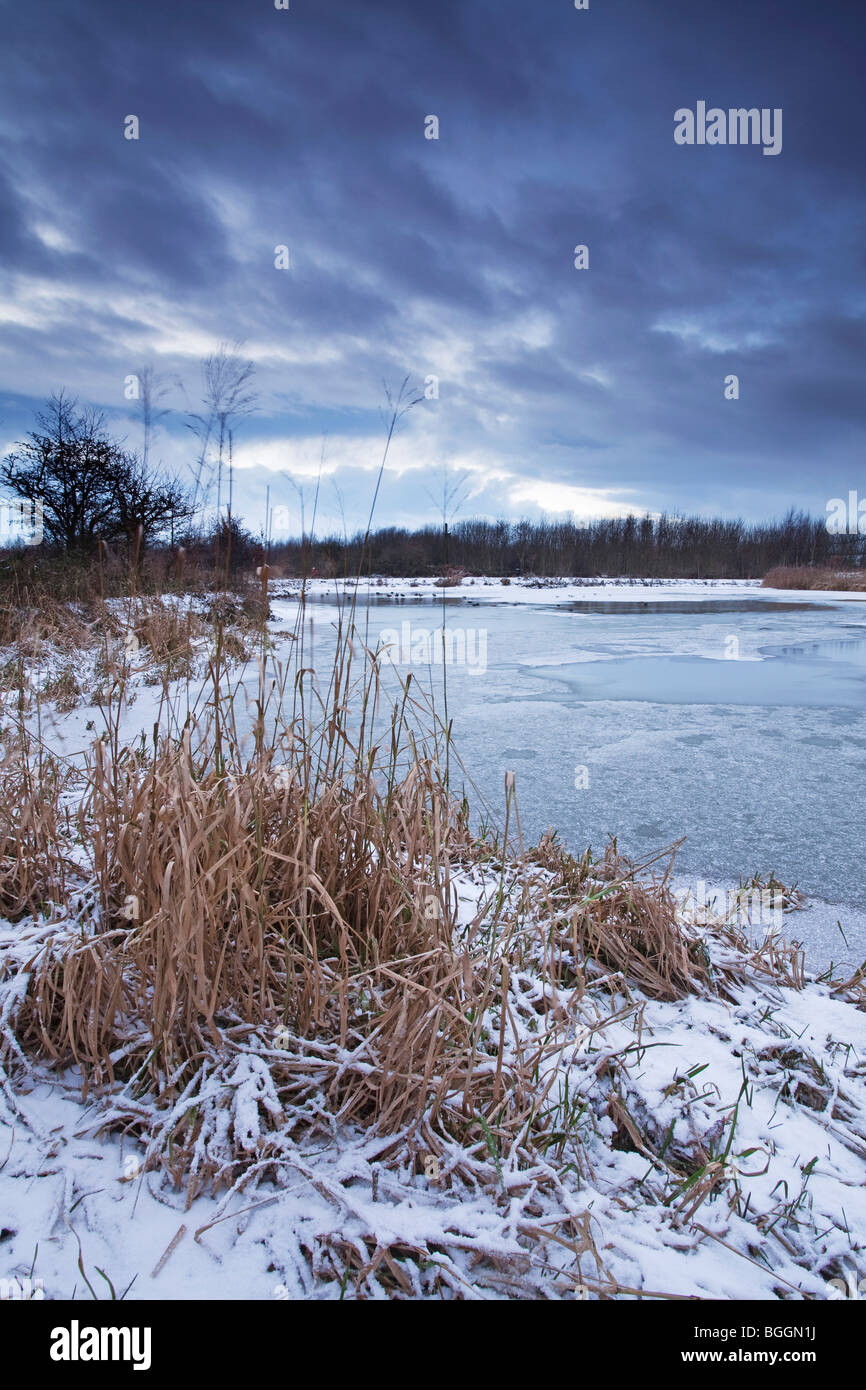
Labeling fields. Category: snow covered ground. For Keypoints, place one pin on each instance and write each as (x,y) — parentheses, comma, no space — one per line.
(710,1148)
(530,590)
(714,1147)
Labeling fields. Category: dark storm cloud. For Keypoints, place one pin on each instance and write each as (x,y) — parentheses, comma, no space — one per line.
(452,257)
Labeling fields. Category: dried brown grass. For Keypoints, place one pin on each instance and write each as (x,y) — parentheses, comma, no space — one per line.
(813,577)
(617,921)
(36,867)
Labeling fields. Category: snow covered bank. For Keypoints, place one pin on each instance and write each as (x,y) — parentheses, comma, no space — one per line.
(529,590)
(711,1146)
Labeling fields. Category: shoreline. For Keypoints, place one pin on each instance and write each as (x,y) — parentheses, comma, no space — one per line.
(530,590)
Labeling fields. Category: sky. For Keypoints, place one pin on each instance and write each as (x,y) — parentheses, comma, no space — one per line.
(545,389)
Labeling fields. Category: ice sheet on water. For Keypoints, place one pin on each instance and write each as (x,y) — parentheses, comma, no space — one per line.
(745,732)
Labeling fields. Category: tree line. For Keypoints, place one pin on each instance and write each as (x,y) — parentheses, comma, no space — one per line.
(94,491)
(664,547)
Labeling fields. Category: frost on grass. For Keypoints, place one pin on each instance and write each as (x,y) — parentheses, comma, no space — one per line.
(706,1143)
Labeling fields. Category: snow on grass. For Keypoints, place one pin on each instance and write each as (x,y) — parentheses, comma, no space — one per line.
(709,1147)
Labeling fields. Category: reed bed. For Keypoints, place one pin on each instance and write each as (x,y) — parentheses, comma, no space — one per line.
(813,577)
(297,882)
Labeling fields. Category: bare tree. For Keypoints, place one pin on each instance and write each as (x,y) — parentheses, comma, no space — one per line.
(147,504)
(88,485)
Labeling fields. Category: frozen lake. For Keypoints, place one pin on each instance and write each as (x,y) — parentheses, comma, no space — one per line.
(738,722)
